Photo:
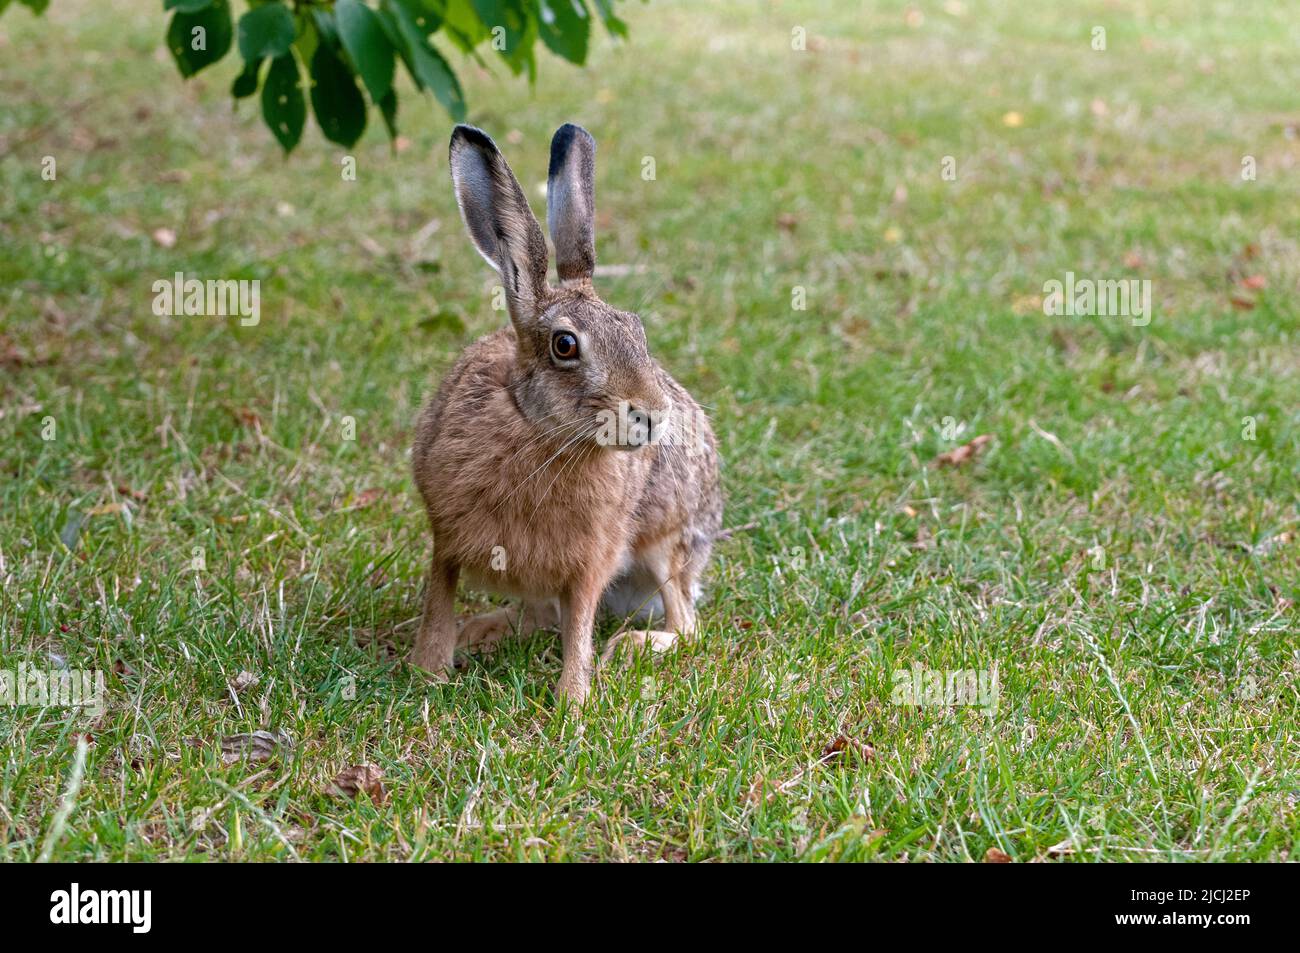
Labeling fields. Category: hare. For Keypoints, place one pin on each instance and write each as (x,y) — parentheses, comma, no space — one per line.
(558,462)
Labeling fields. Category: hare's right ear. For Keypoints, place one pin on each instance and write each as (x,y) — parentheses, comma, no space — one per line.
(501,224)
(571,202)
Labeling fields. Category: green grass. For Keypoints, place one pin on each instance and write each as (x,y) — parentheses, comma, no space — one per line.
(1148,688)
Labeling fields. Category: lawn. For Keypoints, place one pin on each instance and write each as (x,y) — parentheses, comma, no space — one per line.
(842,253)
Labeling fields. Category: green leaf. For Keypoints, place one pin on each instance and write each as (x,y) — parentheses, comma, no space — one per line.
(428,68)
(428,15)
(462,24)
(283,105)
(245,83)
(189,6)
(613,24)
(388,109)
(338,104)
(200,39)
(512,29)
(565,26)
(266,32)
(308,36)
(367,43)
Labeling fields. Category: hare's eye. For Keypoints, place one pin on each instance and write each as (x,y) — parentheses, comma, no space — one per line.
(564,346)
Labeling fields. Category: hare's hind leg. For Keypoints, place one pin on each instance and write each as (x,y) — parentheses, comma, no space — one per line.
(674,574)
(435,642)
(484,631)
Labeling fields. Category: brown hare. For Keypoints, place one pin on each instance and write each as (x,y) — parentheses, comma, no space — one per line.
(558,461)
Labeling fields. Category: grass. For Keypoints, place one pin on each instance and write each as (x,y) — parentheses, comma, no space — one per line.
(1121,553)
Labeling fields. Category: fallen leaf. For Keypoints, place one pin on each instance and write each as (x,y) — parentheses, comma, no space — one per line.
(1013,120)
(1241,304)
(247,417)
(360,779)
(1063,849)
(1134,259)
(243,681)
(787,222)
(165,237)
(1026,304)
(367,498)
(256,746)
(995,856)
(105,508)
(964,453)
(1254,282)
(137,495)
(1267,546)
(842,746)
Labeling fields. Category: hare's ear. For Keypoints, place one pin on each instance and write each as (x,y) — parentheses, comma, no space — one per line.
(571,202)
(499,220)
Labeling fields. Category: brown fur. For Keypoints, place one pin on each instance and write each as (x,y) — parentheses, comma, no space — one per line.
(523,497)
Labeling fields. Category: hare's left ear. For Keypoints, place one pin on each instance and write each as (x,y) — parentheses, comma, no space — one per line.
(571,202)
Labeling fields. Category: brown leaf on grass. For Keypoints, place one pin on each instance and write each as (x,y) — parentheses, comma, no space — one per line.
(105,508)
(787,221)
(842,747)
(1265,547)
(360,779)
(1254,282)
(248,417)
(367,498)
(138,495)
(242,681)
(963,454)
(255,746)
(995,856)
(1280,602)
(121,668)
(1134,259)
(1064,849)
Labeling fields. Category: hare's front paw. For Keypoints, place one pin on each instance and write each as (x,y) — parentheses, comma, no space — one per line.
(434,661)
(574,688)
